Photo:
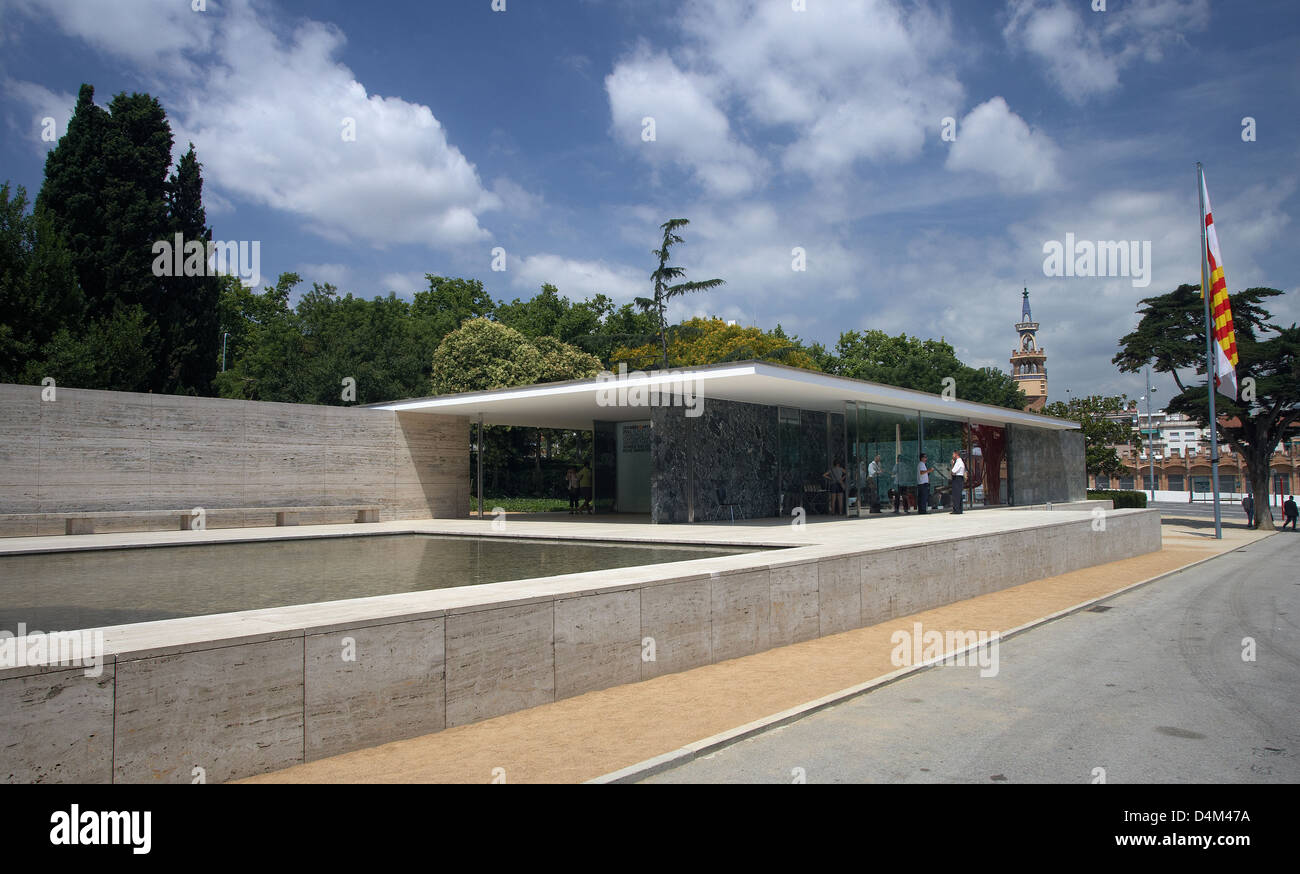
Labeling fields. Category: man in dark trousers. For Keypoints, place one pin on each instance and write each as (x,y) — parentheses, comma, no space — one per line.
(1248,504)
(958,482)
(1289,513)
(923,472)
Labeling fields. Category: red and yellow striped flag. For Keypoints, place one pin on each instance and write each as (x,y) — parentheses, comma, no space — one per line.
(1225,339)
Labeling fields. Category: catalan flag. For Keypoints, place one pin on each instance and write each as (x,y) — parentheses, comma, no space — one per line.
(1225,339)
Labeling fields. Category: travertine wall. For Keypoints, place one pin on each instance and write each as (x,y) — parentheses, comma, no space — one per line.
(268,688)
(116,451)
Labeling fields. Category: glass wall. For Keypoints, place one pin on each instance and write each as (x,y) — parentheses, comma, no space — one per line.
(604,465)
(887,440)
(986,480)
(857,502)
(939,437)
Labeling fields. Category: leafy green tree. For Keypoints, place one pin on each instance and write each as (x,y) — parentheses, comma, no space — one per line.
(626,325)
(266,349)
(1100,434)
(1171,338)
(38,287)
(560,362)
(549,314)
(701,342)
(664,292)
(910,362)
(482,355)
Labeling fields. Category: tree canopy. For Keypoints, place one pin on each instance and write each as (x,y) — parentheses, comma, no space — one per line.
(1100,434)
(923,365)
(1170,337)
(482,355)
(87,308)
(711,341)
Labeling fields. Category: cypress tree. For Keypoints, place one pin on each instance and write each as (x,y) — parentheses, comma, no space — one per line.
(190,325)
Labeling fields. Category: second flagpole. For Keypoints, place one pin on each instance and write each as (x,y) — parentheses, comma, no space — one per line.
(1209,358)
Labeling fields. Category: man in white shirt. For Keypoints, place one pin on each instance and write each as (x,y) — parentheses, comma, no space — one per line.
(874,470)
(923,485)
(958,481)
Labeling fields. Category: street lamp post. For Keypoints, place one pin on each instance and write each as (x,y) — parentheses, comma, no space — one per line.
(224,337)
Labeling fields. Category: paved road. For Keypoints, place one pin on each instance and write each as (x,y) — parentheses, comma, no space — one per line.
(1230,512)
(1154,689)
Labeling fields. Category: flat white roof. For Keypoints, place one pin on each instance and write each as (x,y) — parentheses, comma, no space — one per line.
(576,404)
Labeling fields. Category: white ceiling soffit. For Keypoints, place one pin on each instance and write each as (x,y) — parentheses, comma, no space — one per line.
(576,404)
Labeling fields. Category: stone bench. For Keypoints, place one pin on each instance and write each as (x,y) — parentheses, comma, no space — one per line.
(291,515)
(84,522)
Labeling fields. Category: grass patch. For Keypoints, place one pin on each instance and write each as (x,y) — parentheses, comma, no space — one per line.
(521,505)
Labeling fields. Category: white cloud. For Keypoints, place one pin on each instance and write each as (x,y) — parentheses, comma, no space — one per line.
(44,103)
(267,112)
(854,80)
(405,284)
(337,275)
(994,140)
(578,279)
(1084,52)
(176,33)
(688,127)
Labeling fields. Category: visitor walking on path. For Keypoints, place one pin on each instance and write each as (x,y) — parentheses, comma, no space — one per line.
(571,483)
(1248,504)
(923,486)
(1289,512)
(958,482)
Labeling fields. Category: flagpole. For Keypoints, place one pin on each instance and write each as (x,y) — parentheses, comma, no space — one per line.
(1209,357)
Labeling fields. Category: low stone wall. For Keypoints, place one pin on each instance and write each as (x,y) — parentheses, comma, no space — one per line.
(247,693)
(105,451)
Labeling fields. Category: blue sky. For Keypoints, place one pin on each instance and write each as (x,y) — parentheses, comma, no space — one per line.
(775,127)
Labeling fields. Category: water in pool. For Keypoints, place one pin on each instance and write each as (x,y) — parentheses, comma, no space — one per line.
(71,590)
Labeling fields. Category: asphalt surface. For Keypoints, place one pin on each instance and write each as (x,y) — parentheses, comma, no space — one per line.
(1154,689)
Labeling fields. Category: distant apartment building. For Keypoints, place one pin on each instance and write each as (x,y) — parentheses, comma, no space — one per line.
(1180,450)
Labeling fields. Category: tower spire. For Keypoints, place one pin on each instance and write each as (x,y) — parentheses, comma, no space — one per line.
(1029,360)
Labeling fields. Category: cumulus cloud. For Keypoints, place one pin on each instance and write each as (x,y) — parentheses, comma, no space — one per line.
(994,140)
(337,275)
(44,104)
(1084,52)
(854,80)
(177,33)
(578,279)
(405,284)
(666,114)
(279,120)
